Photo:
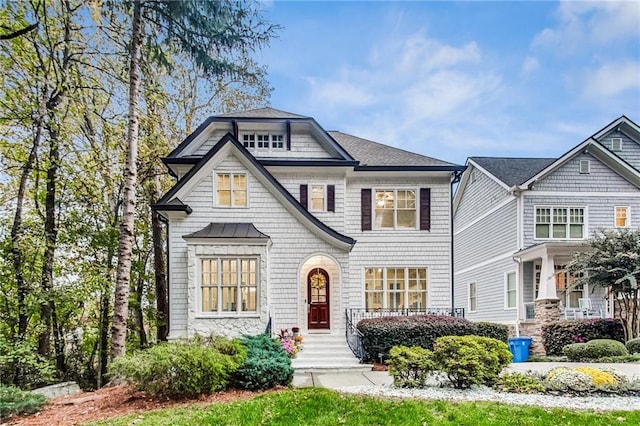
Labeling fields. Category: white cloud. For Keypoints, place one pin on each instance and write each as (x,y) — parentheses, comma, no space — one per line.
(612,79)
(582,24)
(529,66)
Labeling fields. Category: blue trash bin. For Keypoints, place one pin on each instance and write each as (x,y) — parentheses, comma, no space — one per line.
(519,347)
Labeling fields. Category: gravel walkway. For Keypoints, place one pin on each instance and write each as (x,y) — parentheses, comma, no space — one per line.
(481,393)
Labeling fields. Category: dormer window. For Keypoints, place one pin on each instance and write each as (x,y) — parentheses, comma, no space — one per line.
(263,140)
(616,144)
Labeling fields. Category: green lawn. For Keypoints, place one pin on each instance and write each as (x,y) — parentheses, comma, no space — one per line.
(318,406)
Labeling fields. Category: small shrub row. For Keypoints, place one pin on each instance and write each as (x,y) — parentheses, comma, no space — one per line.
(464,360)
(557,335)
(15,401)
(594,349)
(381,334)
(190,368)
(586,379)
(267,364)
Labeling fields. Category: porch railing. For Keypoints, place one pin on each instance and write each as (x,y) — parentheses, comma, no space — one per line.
(354,338)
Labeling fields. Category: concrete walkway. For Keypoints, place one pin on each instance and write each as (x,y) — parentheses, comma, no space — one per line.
(334,380)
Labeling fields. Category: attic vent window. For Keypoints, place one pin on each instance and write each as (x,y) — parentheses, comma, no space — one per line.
(616,144)
(585,167)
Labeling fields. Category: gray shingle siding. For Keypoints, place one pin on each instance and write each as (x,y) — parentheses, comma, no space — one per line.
(479,196)
(630,149)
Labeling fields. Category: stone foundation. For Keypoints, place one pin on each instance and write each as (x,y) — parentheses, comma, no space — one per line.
(547,312)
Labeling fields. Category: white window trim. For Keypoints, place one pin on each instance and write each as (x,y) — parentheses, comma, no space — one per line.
(475,284)
(215,189)
(384,284)
(568,238)
(615,211)
(225,314)
(506,290)
(395,227)
(310,200)
(587,169)
(271,140)
(613,141)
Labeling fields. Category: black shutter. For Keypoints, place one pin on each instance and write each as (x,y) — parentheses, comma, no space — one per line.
(425,209)
(331,198)
(288,136)
(303,195)
(365,206)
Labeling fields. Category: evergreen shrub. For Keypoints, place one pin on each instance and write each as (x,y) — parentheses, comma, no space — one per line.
(633,346)
(410,367)
(15,401)
(267,364)
(557,335)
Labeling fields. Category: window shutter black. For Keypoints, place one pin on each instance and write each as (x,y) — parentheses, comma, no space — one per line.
(425,209)
(331,198)
(288,136)
(303,195)
(365,206)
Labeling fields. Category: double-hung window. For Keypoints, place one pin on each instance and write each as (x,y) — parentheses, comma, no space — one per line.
(622,217)
(510,287)
(473,297)
(229,285)
(317,195)
(395,288)
(231,190)
(395,209)
(559,223)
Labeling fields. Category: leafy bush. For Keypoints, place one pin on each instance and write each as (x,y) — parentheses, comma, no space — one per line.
(20,365)
(493,330)
(518,383)
(381,334)
(267,364)
(468,360)
(633,346)
(181,369)
(575,351)
(595,349)
(410,367)
(14,401)
(599,377)
(557,335)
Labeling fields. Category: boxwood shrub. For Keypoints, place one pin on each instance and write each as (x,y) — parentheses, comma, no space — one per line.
(633,346)
(557,335)
(381,334)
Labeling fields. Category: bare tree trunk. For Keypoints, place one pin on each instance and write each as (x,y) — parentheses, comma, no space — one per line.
(125,241)
(162,302)
(142,335)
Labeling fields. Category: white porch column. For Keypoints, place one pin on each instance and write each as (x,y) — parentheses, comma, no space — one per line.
(547,289)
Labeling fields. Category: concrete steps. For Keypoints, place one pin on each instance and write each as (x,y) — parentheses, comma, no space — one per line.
(326,353)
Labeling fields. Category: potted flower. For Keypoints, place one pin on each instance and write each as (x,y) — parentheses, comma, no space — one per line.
(296,331)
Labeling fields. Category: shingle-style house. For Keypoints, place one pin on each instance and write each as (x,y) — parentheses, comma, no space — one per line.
(518,221)
(275,219)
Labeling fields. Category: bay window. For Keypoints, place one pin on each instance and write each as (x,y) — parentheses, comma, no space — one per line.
(229,285)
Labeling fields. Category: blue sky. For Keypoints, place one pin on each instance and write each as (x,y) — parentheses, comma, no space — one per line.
(458,79)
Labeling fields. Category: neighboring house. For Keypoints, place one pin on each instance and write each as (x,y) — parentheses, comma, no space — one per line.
(518,221)
(275,219)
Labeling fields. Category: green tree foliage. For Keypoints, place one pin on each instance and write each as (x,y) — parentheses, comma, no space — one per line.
(613,262)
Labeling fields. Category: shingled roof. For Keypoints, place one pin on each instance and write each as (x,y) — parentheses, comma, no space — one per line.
(512,171)
(266,112)
(229,230)
(370,153)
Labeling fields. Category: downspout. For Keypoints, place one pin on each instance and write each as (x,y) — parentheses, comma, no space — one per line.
(519,238)
(455,179)
(166,222)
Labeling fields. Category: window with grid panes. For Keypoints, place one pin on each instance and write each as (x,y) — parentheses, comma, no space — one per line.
(396,288)
(231,190)
(395,209)
(559,223)
(229,285)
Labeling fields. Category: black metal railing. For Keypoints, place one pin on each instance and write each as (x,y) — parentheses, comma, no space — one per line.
(355,315)
(354,338)
(267,330)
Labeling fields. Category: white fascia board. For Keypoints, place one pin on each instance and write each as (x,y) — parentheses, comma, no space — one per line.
(614,162)
(495,179)
(620,122)
(202,137)
(461,186)
(560,161)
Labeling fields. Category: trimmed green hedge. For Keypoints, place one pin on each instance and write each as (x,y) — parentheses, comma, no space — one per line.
(633,346)
(557,335)
(382,334)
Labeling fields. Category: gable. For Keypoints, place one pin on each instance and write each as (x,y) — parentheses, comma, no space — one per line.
(600,178)
(479,194)
(228,156)
(630,148)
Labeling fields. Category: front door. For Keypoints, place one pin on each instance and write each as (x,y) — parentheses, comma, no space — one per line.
(318,298)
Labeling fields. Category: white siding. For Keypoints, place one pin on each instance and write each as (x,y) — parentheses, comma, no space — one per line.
(480,195)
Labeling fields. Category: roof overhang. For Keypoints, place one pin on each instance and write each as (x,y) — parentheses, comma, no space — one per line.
(622,124)
(550,248)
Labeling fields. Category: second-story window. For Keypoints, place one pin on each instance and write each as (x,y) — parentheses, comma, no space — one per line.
(395,208)
(559,223)
(317,198)
(231,190)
